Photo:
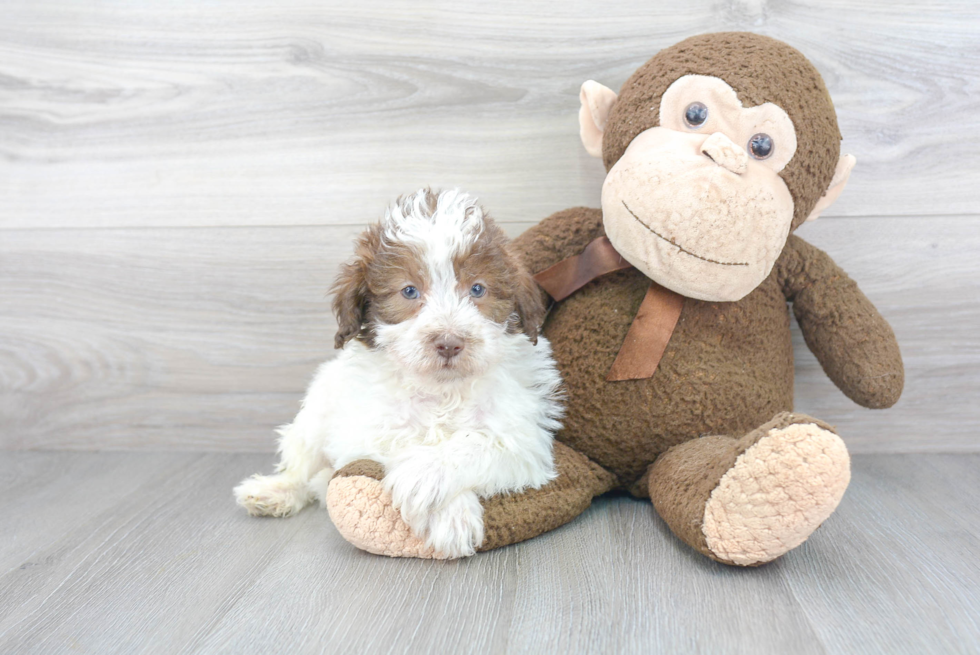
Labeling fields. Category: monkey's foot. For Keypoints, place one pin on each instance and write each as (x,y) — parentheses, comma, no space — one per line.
(777,493)
(750,499)
(363,513)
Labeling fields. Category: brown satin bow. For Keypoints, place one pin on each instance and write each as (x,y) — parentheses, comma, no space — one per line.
(653,324)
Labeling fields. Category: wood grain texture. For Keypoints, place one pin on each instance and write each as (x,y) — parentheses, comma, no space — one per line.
(51,482)
(162,338)
(178,568)
(301,112)
(894,522)
(206,338)
(178,183)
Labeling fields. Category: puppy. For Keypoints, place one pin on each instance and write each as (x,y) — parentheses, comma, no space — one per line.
(442,377)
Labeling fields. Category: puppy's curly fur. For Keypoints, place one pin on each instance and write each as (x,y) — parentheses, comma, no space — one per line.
(442,377)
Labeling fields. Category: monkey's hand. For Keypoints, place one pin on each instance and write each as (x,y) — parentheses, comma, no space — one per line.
(852,341)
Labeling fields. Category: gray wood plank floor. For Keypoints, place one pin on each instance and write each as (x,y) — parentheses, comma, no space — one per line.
(146,553)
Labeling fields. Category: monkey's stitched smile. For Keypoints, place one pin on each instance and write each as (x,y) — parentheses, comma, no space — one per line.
(679,247)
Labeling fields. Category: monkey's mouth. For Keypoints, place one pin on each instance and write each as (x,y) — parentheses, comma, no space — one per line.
(677,245)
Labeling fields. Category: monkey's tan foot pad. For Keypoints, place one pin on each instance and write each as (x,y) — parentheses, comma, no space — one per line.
(777,493)
(362,511)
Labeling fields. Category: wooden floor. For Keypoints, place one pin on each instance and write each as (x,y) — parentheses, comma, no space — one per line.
(147,553)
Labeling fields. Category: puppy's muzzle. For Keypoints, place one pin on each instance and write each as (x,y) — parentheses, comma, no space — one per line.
(448,346)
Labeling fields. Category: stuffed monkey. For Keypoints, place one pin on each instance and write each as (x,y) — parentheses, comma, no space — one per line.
(670,321)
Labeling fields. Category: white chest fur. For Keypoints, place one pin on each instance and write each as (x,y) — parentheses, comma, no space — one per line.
(365,408)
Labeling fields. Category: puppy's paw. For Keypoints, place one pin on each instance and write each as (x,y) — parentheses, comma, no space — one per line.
(417,490)
(456,529)
(272,495)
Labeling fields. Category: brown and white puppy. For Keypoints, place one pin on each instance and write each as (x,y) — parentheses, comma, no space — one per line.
(441,378)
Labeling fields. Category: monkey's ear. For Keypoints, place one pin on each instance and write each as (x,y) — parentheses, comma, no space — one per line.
(596,100)
(841,174)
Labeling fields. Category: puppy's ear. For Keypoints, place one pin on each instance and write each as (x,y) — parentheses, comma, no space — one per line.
(350,289)
(530,306)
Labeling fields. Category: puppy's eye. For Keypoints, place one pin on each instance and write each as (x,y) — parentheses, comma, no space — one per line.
(696,114)
(478,290)
(410,292)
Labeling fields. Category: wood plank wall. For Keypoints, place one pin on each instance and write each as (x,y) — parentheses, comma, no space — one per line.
(178,182)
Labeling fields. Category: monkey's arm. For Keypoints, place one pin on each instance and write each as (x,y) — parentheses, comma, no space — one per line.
(851,340)
(561,235)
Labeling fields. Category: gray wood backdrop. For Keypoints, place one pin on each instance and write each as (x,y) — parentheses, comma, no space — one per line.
(178,182)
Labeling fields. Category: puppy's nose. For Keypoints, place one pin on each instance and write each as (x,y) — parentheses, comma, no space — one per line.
(449,345)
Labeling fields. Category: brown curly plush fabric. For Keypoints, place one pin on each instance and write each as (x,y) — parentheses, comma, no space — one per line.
(513,518)
(855,346)
(728,367)
(760,69)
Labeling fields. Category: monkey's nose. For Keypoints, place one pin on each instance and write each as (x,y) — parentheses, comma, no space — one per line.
(723,151)
(448,346)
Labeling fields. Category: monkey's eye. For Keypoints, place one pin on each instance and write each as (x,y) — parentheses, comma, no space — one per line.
(410,292)
(761,146)
(696,114)
(478,290)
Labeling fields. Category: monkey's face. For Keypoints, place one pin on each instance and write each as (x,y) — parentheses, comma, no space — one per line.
(697,202)
(716,148)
